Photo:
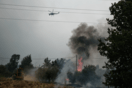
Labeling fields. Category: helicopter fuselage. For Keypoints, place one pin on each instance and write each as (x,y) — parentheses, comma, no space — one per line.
(53,13)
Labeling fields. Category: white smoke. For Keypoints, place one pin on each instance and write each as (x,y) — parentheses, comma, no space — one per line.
(100,72)
(68,66)
(30,76)
(93,58)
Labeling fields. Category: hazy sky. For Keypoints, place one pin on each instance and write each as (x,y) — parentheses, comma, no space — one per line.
(45,39)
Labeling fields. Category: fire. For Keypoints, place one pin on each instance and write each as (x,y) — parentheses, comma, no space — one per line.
(80,64)
(67,79)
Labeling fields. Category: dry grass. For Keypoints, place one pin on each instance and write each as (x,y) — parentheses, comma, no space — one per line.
(9,83)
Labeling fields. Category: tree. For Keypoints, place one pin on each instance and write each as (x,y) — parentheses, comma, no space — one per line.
(12,65)
(87,75)
(40,74)
(26,63)
(118,46)
(50,70)
(4,72)
(47,62)
(71,77)
(58,63)
(122,12)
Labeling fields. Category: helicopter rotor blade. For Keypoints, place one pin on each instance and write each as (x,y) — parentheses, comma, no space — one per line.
(55,11)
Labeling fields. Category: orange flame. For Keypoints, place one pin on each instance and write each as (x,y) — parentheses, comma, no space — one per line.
(80,64)
(67,79)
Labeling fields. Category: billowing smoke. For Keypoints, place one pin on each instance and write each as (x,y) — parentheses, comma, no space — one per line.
(84,37)
(84,43)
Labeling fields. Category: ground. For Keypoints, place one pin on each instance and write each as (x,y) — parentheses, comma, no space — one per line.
(9,83)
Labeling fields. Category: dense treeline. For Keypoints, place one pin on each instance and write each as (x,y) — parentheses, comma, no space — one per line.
(4,72)
(9,69)
(46,73)
(50,70)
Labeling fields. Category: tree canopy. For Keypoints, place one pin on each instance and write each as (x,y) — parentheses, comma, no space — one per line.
(49,71)
(87,75)
(4,72)
(12,65)
(26,63)
(122,12)
(117,47)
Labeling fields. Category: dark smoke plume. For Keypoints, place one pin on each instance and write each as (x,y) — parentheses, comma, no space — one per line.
(84,37)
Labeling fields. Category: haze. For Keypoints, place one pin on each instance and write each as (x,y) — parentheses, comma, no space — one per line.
(44,39)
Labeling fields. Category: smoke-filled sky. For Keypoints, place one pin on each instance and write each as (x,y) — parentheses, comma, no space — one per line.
(46,39)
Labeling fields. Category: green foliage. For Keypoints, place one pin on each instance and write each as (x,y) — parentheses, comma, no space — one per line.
(4,72)
(58,63)
(122,12)
(41,74)
(119,57)
(26,63)
(12,65)
(50,70)
(71,77)
(118,46)
(47,62)
(87,75)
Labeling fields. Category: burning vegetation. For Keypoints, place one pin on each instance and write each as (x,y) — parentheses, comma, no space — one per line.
(83,39)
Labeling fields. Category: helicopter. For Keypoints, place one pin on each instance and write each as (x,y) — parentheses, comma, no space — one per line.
(53,13)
